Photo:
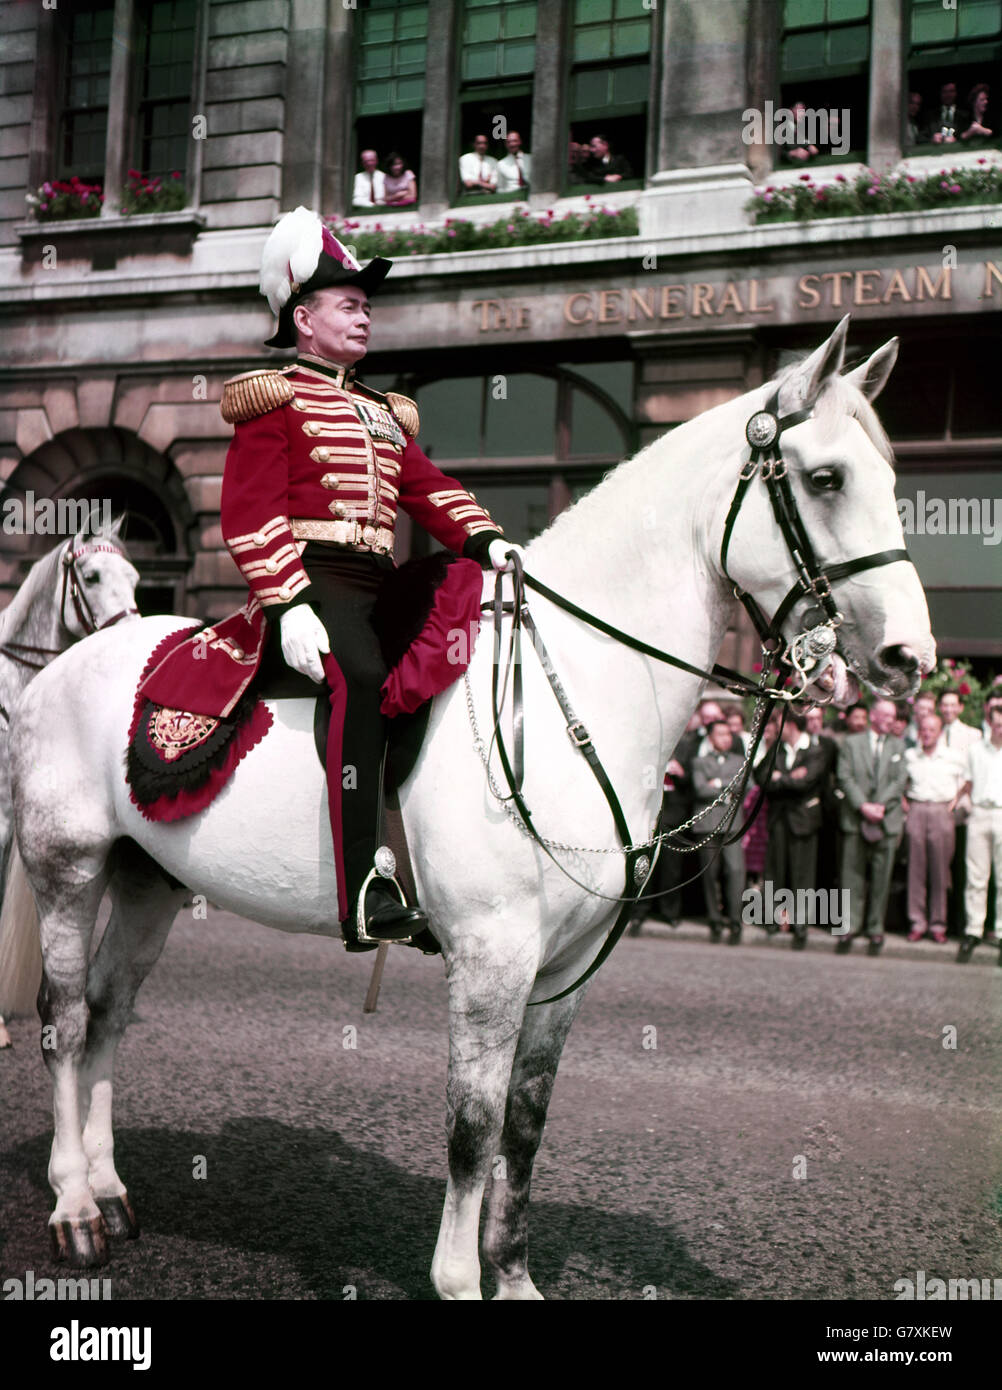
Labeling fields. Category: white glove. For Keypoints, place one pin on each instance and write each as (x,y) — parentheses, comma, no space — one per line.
(498,550)
(304,640)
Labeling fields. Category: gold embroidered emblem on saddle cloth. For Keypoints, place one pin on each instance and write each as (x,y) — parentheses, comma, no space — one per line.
(174,731)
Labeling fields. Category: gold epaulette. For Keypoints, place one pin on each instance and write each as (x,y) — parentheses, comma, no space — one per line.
(406,412)
(254,393)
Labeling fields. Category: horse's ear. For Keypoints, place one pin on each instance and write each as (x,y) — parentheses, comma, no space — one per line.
(870,376)
(803,386)
(116,527)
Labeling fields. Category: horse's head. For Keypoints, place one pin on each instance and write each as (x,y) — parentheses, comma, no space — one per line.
(98,581)
(838,464)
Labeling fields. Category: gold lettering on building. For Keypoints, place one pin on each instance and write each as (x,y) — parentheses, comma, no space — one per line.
(993,277)
(924,285)
(863,294)
(572,315)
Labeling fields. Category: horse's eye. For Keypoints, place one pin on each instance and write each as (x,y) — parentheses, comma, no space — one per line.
(92,579)
(826,480)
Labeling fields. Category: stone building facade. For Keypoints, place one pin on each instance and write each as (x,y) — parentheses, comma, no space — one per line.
(535,368)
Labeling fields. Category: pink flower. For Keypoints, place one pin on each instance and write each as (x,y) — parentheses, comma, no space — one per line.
(511,226)
(805,178)
(911,178)
(955,188)
(840,178)
(175,175)
(964,688)
(134,174)
(872,192)
(982,161)
(587,197)
(44,207)
(767,197)
(451,232)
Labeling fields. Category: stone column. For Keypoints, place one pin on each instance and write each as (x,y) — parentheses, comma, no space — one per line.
(548,143)
(338,101)
(702,179)
(888,97)
(117,147)
(304,107)
(438,132)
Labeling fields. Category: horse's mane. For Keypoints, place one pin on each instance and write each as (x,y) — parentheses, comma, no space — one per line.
(43,576)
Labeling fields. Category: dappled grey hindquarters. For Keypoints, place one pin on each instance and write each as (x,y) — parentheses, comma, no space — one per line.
(670,1164)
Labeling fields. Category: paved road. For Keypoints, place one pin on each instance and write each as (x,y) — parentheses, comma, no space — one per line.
(666,1169)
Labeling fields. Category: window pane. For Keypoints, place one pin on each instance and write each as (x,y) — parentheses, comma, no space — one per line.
(479,63)
(933,24)
(590,44)
(633,9)
(850,45)
(630,85)
(520,21)
(409,93)
(450,417)
(631,37)
(482,28)
(803,51)
(841,10)
(801,12)
(979,17)
(412,23)
(524,424)
(593,429)
(592,11)
(518,57)
(590,89)
(377,27)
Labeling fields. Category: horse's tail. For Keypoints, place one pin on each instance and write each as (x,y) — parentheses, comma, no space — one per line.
(20,953)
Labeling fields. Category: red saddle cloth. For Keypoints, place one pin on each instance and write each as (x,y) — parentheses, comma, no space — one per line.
(196,713)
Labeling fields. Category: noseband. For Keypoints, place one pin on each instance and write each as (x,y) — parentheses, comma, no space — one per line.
(809,652)
(73,589)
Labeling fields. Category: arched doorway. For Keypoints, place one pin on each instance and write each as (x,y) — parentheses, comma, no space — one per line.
(116,473)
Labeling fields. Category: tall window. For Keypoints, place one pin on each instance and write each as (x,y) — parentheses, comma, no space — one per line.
(391,44)
(83,122)
(165,45)
(610,77)
(962,47)
(824,64)
(497,53)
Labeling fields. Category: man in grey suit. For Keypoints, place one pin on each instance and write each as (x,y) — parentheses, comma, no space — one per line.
(710,775)
(872,776)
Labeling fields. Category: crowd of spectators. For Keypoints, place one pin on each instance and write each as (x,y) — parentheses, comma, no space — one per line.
(945,122)
(905,796)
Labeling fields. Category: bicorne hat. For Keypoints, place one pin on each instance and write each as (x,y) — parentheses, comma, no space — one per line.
(301,256)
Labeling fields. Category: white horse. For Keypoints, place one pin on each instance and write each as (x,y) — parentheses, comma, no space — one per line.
(642,551)
(85,584)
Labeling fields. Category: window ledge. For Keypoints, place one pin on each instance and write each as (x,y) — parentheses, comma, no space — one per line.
(102,240)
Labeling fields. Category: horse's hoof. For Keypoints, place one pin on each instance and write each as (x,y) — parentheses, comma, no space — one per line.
(80,1244)
(119,1218)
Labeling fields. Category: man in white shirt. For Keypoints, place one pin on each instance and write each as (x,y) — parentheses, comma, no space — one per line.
(514,171)
(370,184)
(935,776)
(984,835)
(955,734)
(478,171)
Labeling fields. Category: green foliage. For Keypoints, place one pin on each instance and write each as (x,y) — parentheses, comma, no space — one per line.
(871,193)
(516,229)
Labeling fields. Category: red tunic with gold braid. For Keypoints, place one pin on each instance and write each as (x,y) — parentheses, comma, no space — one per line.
(318,456)
(315,456)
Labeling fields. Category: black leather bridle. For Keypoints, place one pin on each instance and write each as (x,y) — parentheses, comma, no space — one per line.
(764,431)
(73,590)
(803,655)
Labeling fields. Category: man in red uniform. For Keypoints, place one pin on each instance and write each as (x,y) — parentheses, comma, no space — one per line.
(317,469)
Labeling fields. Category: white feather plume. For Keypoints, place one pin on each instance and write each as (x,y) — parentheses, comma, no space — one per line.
(294,245)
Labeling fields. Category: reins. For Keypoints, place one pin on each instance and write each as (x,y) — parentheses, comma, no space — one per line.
(806,656)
